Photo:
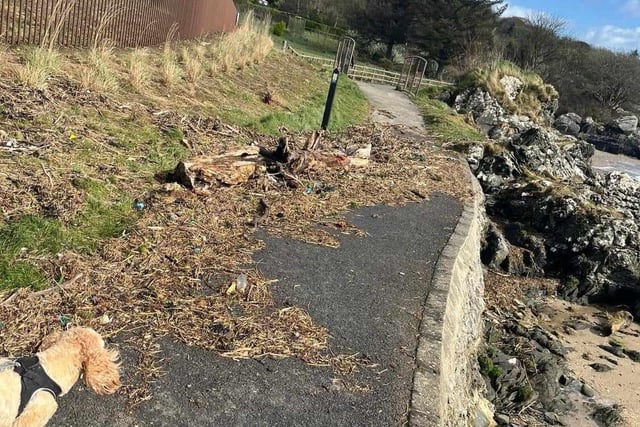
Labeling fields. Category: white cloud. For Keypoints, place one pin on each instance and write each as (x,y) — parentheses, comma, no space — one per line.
(519,11)
(632,6)
(615,38)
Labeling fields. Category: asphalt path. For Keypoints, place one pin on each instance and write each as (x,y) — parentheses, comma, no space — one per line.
(369,293)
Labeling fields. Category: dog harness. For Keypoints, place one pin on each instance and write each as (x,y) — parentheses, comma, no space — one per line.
(33,379)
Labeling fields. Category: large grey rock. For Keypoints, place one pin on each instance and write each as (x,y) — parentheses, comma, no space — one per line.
(475,153)
(538,151)
(607,416)
(627,124)
(613,142)
(512,86)
(495,247)
(485,109)
(495,171)
(484,414)
(567,124)
(575,117)
(587,390)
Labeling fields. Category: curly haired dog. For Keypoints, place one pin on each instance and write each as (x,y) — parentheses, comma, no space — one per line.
(29,387)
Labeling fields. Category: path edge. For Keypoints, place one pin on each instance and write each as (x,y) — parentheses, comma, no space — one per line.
(446,383)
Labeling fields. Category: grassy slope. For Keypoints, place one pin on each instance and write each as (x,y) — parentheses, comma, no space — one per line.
(443,122)
(454,128)
(79,191)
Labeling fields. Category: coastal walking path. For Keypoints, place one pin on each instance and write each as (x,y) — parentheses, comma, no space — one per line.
(369,293)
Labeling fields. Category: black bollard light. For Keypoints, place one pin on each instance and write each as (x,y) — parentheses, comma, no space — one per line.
(330,97)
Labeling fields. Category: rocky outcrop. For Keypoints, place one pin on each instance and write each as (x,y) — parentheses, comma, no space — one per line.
(573,224)
(626,124)
(489,115)
(485,109)
(612,141)
(555,215)
(620,136)
(512,86)
(551,215)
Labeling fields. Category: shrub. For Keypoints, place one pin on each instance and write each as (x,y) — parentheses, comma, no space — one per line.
(386,63)
(279,28)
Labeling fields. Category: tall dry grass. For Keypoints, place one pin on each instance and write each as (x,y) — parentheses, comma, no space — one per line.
(98,74)
(39,65)
(42,62)
(102,68)
(193,68)
(138,69)
(170,68)
(250,43)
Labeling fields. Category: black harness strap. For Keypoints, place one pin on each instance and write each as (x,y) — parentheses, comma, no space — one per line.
(33,378)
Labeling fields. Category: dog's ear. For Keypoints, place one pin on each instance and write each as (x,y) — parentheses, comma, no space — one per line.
(100,365)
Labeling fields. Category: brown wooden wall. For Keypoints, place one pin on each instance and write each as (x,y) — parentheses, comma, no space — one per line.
(128,23)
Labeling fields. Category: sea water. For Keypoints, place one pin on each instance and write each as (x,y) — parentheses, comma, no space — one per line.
(607,162)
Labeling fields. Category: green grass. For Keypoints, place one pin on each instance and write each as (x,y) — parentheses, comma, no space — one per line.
(525,393)
(350,107)
(106,213)
(444,122)
(30,236)
(310,44)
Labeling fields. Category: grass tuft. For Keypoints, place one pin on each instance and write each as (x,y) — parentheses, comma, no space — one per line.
(98,74)
(192,65)
(138,70)
(528,102)
(39,65)
(249,44)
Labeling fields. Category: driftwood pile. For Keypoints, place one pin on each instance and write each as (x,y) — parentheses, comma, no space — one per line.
(239,166)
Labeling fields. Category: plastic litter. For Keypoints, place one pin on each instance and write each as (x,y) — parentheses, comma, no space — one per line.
(241,283)
(63,319)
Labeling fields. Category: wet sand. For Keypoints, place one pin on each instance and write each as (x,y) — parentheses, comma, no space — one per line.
(622,384)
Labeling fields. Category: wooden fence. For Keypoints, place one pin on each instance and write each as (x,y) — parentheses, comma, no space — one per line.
(366,73)
(127,23)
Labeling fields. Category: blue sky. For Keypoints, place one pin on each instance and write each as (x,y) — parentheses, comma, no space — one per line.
(614,24)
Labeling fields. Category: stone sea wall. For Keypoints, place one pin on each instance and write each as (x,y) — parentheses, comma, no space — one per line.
(447,386)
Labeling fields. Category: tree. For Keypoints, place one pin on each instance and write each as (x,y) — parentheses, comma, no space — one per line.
(535,42)
(329,12)
(611,78)
(449,29)
(385,21)
(443,28)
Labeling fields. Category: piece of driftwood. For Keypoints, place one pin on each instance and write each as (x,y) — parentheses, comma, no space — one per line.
(313,142)
(231,168)
(239,166)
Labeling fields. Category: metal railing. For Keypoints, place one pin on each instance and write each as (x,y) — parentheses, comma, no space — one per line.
(127,23)
(366,73)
